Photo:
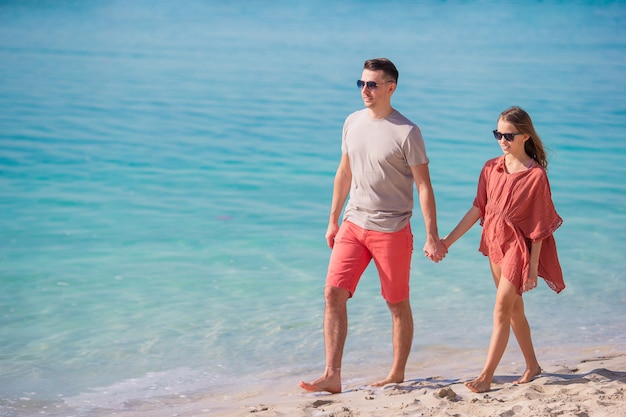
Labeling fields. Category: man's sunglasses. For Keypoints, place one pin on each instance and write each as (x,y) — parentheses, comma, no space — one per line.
(371,85)
(509,137)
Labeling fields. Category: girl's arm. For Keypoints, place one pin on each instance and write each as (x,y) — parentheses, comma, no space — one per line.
(533,272)
(466,223)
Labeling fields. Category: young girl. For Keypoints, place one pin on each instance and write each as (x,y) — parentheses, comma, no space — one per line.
(514,205)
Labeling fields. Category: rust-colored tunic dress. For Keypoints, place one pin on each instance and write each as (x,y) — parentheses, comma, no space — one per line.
(516,209)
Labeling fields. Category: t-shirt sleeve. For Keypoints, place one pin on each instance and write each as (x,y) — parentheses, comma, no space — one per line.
(542,219)
(344,132)
(414,148)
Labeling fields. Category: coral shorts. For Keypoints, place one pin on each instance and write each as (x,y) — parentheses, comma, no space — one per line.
(355,247)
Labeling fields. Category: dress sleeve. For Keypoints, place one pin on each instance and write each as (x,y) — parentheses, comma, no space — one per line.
(542,219)
(481,193)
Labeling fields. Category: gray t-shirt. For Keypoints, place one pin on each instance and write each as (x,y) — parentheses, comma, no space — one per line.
(381,152)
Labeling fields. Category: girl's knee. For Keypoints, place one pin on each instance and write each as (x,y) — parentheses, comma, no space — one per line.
(518,317)
(503,311)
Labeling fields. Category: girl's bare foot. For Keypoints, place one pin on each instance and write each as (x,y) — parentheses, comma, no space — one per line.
(480,384)
(529,375)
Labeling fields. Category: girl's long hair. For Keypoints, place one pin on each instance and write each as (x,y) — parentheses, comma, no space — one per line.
(522,121)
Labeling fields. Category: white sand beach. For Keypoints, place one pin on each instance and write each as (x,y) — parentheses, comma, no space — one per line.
(592,387)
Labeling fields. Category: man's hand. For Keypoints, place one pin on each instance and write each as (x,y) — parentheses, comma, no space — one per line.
(435,250)
(331,232)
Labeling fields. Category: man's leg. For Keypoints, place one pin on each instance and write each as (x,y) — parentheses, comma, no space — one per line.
(335,332)
(392,253)
(402,341)
(348,260)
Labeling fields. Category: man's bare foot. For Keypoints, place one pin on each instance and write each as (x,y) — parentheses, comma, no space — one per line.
(529,375)
(330,384)
(480,384)
(391,379)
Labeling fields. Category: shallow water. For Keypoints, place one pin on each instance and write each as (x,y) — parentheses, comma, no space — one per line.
(166,174)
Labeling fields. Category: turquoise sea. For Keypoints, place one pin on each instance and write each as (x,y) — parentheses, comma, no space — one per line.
(166,172)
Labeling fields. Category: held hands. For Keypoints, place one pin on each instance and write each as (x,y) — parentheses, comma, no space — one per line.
(436,250)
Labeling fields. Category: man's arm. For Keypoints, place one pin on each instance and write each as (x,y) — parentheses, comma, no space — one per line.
(433,248)
(341,189)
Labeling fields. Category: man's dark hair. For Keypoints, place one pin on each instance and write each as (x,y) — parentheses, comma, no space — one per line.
(384,65)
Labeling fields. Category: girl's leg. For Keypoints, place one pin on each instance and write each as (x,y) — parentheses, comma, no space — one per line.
(506,297)
(521,328)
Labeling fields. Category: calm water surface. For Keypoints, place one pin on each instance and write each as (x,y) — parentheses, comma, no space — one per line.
(166,173)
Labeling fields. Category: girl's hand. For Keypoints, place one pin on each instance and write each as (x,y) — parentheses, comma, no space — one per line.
(531,281)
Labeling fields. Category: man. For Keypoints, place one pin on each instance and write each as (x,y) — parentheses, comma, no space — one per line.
(383,154)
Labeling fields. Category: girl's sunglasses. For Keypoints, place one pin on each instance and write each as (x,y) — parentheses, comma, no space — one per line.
(509,137)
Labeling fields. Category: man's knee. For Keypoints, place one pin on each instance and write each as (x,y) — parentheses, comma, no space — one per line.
(400,308)
(335,295)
